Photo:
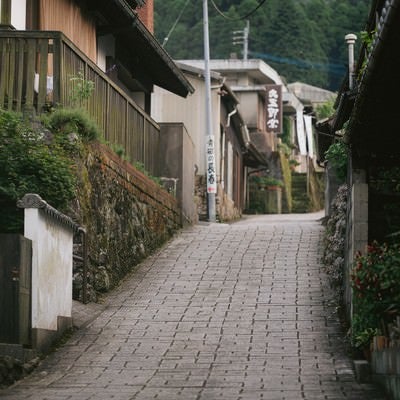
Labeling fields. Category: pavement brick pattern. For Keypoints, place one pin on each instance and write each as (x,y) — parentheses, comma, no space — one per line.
(228,312)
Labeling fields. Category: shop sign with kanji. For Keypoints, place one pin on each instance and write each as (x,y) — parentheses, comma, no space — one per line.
(211,169)
(274,108)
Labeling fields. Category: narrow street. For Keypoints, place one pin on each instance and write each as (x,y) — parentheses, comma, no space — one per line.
(239,311)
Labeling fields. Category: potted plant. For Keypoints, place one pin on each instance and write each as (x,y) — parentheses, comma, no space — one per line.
(270,183)
(293,164)
(376,298)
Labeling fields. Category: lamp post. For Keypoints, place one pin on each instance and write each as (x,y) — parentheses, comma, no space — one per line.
(211,173)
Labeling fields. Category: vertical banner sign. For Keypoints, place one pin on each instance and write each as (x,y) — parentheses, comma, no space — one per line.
(211,172)
(274,108)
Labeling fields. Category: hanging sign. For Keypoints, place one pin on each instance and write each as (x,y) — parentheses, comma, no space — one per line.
(274,108)
(211,169)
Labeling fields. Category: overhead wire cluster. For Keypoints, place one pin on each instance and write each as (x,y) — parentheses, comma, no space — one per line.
(336,69)
(260,3)
(223,14)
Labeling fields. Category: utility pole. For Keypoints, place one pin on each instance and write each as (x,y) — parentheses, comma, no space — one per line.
(246,41)
(211,173)
(242,37)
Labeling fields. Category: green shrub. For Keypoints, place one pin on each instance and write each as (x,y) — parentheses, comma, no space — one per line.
(376,296)
(82,89)
(66,121)
(30,164)
(265,181)
(325,110)
(337,155)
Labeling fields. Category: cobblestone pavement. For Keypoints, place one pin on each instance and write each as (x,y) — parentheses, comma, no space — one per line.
(228,312)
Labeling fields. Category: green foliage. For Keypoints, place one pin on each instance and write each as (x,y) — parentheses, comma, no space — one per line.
(325,110)
(119,150)
(286,134)
(30,164)
(140,167)
(376,298)
(367,39)
(266,181)
(285,149)
(287,202)
(337,155)
(302,39)
(65,121)
(82,89)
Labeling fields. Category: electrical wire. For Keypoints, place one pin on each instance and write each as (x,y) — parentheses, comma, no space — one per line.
(174,24)
(261,2)
(335,69)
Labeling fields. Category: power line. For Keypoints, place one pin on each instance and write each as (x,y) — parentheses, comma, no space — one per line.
(261,2)
(336,69)
(174,24)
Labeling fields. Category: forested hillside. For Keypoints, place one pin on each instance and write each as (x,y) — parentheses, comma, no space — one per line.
(302,39)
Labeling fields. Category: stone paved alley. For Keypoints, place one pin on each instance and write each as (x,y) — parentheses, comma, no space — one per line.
(240,311)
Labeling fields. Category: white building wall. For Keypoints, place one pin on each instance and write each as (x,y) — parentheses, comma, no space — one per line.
(249,107)
(52,247)
(105,47)
(168,107)
(18,14)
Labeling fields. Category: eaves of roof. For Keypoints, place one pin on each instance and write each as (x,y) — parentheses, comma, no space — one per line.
(166,74)
(197,71)
(142,51)
(260,72)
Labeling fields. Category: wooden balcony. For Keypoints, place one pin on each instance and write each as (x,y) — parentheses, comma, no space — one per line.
(36,71)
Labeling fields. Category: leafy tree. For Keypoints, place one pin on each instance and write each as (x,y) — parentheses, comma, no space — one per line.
(302,39)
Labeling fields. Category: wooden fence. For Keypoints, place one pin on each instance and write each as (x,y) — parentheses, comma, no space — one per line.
(37,70)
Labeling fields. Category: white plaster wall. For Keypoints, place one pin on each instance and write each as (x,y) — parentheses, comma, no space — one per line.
(52,247)
(105,47)
(18,14)
(249,107)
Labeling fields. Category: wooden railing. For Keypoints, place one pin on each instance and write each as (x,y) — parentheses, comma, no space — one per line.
(37,71)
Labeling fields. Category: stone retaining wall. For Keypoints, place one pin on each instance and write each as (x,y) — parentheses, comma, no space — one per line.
(126,215)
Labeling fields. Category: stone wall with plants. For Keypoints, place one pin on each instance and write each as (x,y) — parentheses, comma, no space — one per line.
(127,216)
(334,242)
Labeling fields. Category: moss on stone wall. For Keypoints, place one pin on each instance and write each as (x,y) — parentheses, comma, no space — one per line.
(127,216)
(287,180)
(317,189)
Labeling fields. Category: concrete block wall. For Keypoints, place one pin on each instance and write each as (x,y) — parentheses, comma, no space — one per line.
(177,155)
